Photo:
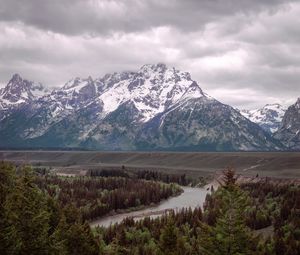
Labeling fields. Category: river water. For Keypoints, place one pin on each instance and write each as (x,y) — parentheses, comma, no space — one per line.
(191,197)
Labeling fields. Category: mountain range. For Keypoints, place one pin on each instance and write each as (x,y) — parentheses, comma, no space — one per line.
(154,108)
(268,117)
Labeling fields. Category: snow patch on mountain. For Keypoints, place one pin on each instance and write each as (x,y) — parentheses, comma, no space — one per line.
(156,107)
(152,89)
(268,117)
(19,91)
(288,132)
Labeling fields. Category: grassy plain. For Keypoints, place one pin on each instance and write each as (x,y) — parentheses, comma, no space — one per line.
(194,164)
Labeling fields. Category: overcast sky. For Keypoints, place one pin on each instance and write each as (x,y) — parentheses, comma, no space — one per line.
(245,53)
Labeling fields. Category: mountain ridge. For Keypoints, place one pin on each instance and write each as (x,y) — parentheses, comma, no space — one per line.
(269,116)
(289,132)
(154,108)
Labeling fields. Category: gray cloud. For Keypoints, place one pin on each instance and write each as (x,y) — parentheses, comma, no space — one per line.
(243,52)
(102,16)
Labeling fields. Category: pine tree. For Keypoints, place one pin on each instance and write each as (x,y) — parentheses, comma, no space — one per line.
(229,235)
(168,238)
(72,236)
(9,243)
(27,217)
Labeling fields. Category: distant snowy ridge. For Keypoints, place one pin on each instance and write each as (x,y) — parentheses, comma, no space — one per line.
(268,117)
(19,91)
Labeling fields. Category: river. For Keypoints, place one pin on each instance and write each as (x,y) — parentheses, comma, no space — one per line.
(190,197)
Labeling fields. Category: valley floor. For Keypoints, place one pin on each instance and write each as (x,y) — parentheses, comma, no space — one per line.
(193,164)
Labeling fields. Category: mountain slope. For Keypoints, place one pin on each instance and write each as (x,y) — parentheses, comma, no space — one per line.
(205,124)
(18,92)
(268,117)
(289,132)
(152,89)
(155,108)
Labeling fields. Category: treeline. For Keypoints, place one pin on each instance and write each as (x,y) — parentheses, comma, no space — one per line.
(173,233)
(32,222)
(96,197)
(35,220)
(228,224)
(279,206)
(180,179)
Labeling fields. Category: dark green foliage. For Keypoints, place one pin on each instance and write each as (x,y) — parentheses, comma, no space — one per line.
(228,234)
(73,236)
(225,227)
(168,237)
(26,217)
(180,179)
(96,197)
(33,223)
(280,205)
(7,185)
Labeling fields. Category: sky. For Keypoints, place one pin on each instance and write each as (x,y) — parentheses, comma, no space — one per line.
(245,53)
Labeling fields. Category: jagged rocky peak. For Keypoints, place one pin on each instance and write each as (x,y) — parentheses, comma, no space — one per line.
(289,132)
(76,93)
(77,84)
(150,68)
(162,78)
(72,83)
(269,117)
(297,104)
(108,80)
(163,70)
(155,107)
(193,91)
(275,106)
(19,90)
(153,88)
(16,78)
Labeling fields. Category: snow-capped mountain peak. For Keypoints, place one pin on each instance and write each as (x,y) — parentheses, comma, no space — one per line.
(156,107)
(149,69)
(76,93)
(77,84)
(152,89)
(268,117)
(19,90)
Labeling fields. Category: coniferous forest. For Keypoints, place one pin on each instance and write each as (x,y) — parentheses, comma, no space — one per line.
(95,197)
(49,215)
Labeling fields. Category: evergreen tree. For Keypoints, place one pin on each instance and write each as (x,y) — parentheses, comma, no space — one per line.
(72,236)
(8,242)
(230,235)
(26,217)
(168,238)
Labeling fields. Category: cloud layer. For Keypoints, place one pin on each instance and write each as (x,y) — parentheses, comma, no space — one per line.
(244,53)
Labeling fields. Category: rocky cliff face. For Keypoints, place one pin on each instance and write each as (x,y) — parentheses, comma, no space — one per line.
(289,132)
(19,92)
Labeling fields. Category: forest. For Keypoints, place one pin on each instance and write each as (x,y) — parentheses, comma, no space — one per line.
(251,218)
(180,179)
(230,223)
(96,197)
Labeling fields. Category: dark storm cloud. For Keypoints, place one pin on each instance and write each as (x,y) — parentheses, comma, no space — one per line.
(104,16)
(243,52)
